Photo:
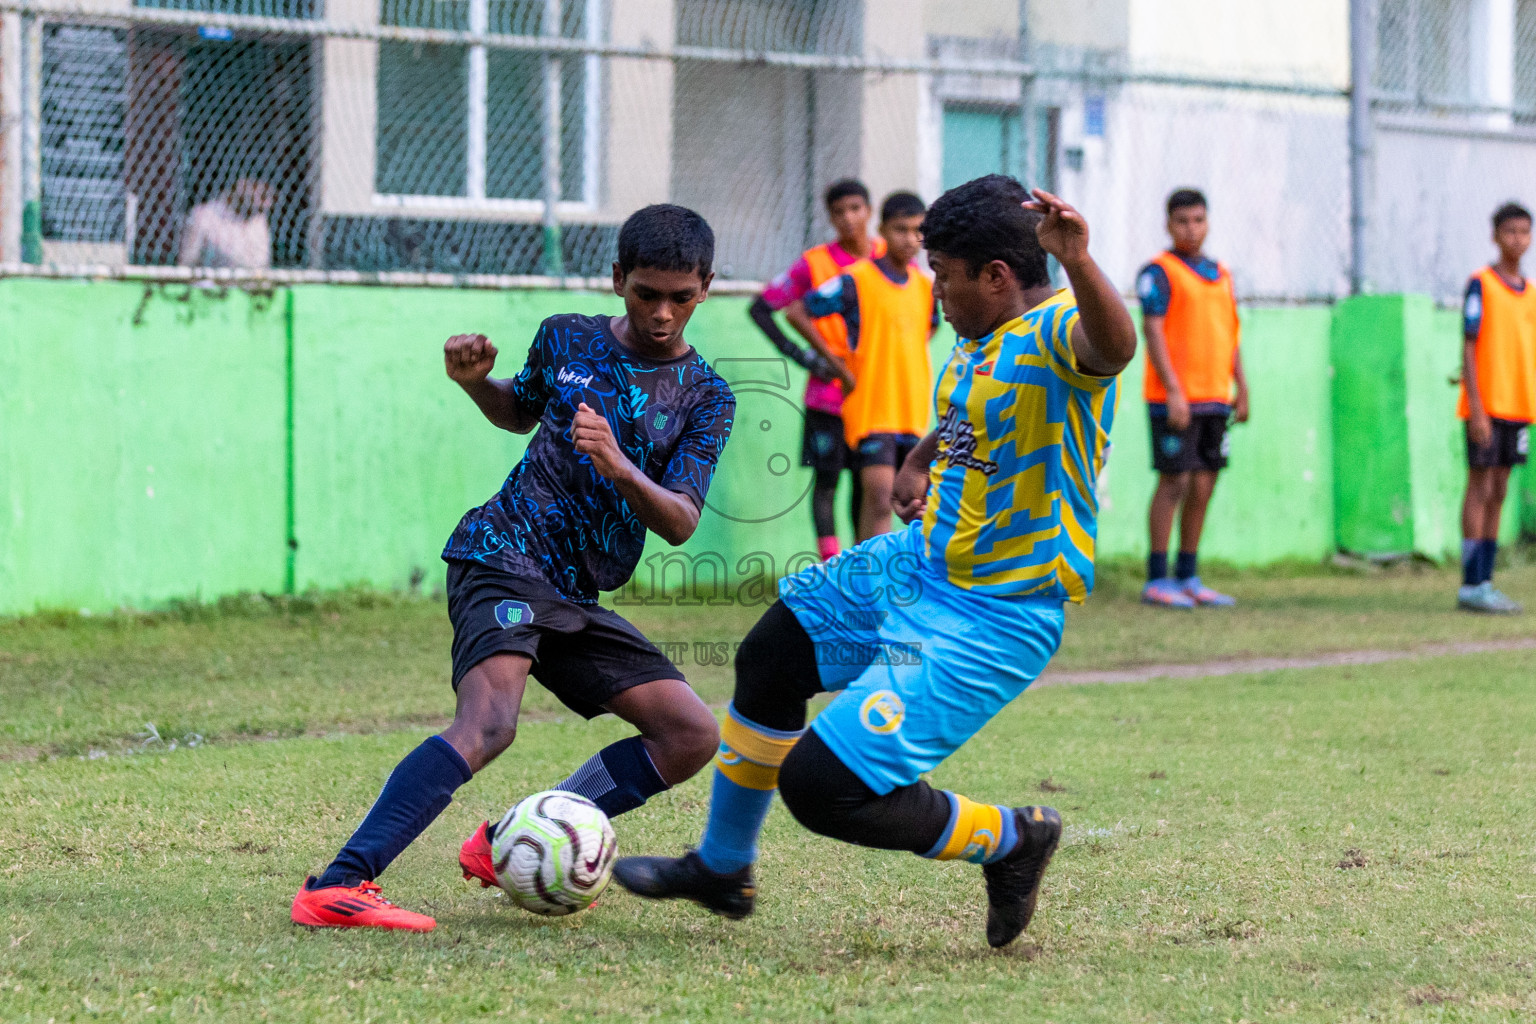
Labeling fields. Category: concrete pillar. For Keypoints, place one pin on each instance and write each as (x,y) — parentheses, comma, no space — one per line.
(893,110)
(638,154)
(1493,57)
(10,138)
(350,112)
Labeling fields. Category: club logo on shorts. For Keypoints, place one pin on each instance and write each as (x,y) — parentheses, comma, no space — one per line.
(1523,441)
(1226,445)
(882,712)
(1172,444)
(513,613)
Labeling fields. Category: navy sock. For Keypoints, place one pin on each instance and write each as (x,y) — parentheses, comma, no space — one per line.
(1471,562)
(417,791)
(618,778)
(1186,568)
(1157,565)
(1490,554)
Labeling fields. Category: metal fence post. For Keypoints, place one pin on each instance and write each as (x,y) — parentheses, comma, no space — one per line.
(31,139)
(554,257)
(1362,65)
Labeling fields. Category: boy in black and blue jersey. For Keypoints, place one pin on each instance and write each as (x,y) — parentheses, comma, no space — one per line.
(630,424)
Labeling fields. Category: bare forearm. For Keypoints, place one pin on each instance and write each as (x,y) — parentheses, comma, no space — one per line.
(1157,354)
(671,516)
(1108,334)
(1237,370)
(499,405)
(1469,378)
(920,458)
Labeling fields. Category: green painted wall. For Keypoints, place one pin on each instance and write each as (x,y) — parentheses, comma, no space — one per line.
(1400,453)
(141,444)
(144,442)
(388,452)
(1372,481)
(1275,501)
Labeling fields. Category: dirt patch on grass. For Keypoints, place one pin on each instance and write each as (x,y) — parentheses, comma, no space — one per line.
(1352,859)
(1255,666)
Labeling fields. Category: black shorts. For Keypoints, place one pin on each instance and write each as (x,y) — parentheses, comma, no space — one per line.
(884,450)
(1202,445)
(583,654)
(1509,445)
(823,447)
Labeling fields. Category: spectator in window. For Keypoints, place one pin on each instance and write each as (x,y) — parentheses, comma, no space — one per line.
(230,230)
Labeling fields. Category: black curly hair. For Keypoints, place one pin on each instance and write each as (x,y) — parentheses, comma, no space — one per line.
(982,221)
(666,237)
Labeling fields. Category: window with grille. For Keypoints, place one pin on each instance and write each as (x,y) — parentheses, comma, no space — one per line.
(468,121)
(302,9)
(1525,60)
(1423,51)
(776,26)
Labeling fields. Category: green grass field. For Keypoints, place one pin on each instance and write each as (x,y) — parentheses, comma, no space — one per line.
(1349,844)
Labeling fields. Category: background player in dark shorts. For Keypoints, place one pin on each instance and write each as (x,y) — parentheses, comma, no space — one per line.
(1193,382)
(630,423)
(1201,447)
(1498,402)
(823,448)
(1509,445)
(884,450)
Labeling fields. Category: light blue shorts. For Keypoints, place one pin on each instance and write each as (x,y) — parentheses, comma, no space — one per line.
(921,664)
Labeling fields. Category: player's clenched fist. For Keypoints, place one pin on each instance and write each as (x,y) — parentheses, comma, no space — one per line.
(594,439)
(469,357)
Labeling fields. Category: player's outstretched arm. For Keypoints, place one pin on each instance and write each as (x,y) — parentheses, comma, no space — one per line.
(468,359)
(670,515)
(1105,338)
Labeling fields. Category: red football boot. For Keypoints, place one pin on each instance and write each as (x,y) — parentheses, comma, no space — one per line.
(353,906)
(475,857)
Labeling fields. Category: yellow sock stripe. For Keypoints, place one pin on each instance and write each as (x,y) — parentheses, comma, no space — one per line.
(747,774)
(978,829)
(747,742)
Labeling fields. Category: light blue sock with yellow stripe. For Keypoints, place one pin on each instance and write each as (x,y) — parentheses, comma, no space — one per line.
(979,833)
(746,774)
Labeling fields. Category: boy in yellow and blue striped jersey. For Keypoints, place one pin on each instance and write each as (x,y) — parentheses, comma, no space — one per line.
(927,633)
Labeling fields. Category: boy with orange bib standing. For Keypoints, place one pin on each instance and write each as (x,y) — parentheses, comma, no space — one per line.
(823,448)
(1498,401)
(1189,315)
(887,304)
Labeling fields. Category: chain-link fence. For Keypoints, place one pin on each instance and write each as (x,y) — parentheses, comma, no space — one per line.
(511,137)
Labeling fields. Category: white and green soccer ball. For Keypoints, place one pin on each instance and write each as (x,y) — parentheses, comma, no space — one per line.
(554,853)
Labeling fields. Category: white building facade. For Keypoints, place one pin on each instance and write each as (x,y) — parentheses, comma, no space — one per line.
(391,148)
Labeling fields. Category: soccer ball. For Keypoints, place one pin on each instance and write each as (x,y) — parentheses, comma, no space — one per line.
(554,853)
